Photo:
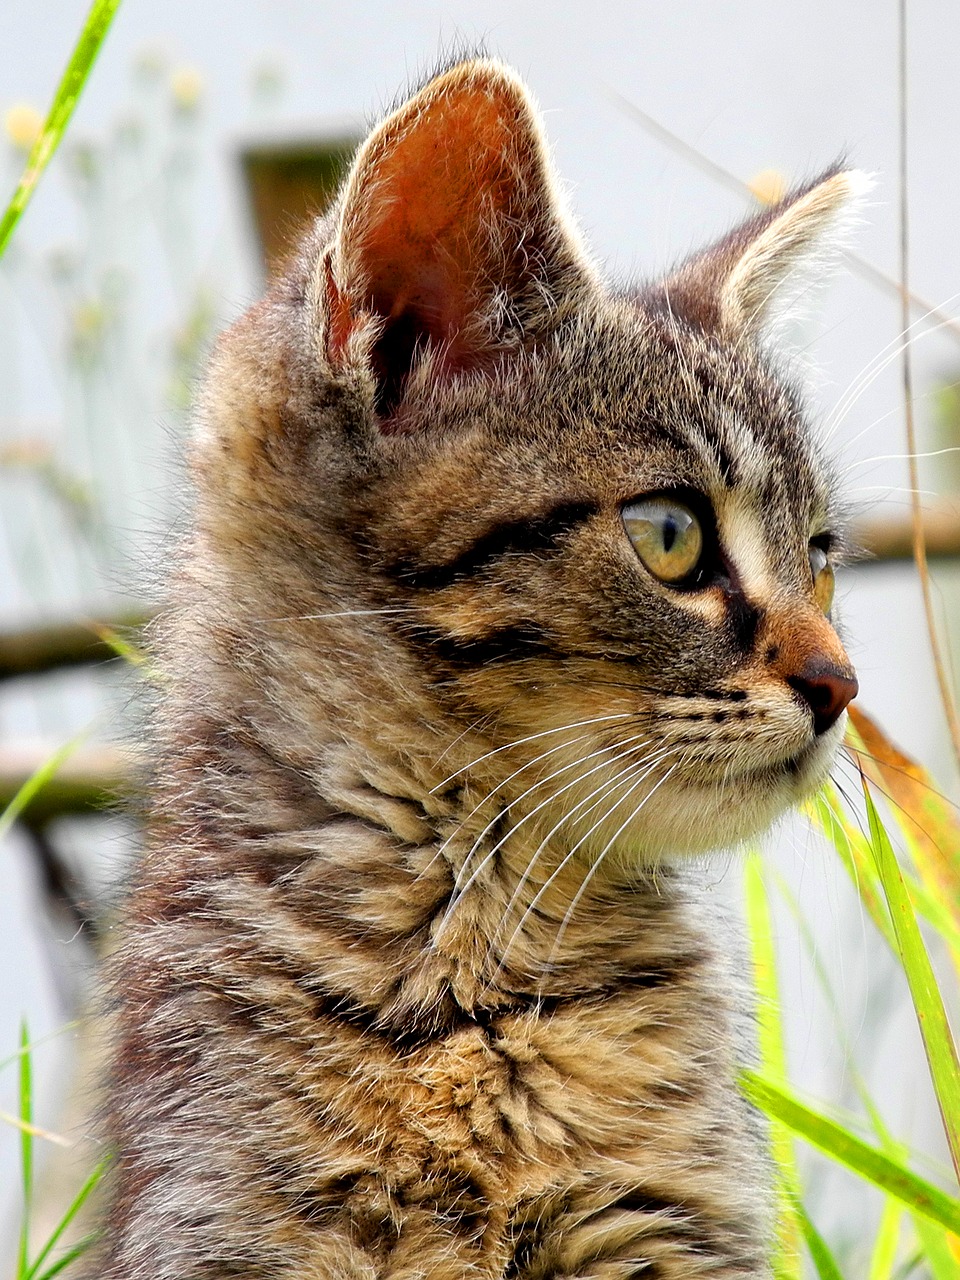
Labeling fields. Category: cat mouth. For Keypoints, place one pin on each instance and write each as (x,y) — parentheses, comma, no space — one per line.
(796,764)
(807,764)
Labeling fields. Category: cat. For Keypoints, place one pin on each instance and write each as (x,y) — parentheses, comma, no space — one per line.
(507,593)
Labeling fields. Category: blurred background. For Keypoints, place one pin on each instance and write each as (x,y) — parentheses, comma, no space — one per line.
(206,131)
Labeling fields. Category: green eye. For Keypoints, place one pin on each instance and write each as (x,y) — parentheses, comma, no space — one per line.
(823,577)
(666,536)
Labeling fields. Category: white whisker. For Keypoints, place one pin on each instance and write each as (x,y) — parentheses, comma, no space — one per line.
(458,891)
(892,488)
(905,457)
(897,341)
(503,782)
(568,915)
(861,385)
(340,613)
(634,783)
(519,742)
(603,791)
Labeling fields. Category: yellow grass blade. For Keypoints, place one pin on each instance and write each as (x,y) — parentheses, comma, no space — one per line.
(927,819)
(934,1028)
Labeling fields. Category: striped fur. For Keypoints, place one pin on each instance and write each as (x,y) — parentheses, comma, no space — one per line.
(415,978)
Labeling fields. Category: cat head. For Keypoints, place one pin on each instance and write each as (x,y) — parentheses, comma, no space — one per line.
(571,543)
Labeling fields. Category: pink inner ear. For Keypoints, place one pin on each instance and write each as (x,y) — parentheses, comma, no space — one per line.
(435,221)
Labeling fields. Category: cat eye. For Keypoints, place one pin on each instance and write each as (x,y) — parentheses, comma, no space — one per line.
(823,577)
(666,535)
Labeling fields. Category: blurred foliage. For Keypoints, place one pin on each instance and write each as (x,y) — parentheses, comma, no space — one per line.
(946,405)
(40,139)
(117,317)
(106,323)
(918,1230)
(57,1252)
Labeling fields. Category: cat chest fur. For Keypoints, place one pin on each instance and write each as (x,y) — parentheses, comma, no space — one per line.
(523,1139)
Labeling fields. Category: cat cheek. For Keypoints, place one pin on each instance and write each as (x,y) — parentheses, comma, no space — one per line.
(709,605)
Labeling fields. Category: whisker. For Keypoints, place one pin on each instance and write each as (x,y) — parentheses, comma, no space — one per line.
(458,892)
(843,409)
(894,803)
(519,742)
(501,783)
(474,727)
(852,752)
(594,867)
(603,791)
(339,613)
(896,341)
(531,907)
(890,489)
(852,807)
(903,457)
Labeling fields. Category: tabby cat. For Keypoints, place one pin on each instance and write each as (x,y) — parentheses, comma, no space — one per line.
(507,592)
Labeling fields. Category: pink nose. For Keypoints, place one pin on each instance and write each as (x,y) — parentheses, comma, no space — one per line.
(826,690)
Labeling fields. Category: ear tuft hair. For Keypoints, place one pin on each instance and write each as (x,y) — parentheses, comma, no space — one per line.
(749,279)
(453,238)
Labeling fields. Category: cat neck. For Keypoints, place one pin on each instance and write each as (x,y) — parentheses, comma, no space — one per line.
(435,912)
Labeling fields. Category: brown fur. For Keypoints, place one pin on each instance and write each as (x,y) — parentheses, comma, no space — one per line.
(414,981)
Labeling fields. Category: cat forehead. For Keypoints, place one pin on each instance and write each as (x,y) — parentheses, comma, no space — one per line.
(565,440)
(635,403)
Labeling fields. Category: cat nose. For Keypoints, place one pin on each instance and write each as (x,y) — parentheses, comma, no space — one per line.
(826,690)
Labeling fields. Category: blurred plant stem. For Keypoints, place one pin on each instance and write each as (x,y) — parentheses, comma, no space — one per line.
(65,100)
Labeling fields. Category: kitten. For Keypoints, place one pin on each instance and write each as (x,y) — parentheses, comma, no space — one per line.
(506,593)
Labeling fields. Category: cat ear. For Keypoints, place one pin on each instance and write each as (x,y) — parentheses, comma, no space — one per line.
(452,234)
(750,278)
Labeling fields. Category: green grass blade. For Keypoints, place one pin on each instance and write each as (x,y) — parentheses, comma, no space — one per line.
(122,647)
(26,1147)
(75,1206)
(890,1175)
(934,911)
(927,819)
(786,1262)
(763,955)
(71,86)
(941,1251)
(70,1256)
(37,781)
(823,1259)
(934,1027)
(884,1254)
(853,850)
